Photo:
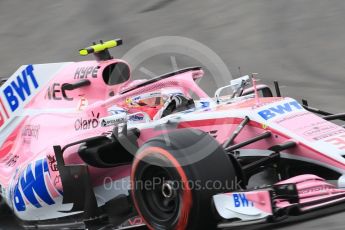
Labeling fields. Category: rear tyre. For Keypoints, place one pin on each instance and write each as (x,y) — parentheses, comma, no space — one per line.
(171,190)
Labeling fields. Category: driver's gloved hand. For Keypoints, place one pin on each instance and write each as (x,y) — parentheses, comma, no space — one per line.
(177,103)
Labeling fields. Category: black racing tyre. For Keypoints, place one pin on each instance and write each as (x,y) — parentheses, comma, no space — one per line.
(170,190)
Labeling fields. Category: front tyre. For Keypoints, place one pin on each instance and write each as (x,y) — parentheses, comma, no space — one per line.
(172,191)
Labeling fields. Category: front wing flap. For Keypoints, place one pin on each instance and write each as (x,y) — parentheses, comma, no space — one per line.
(270,204)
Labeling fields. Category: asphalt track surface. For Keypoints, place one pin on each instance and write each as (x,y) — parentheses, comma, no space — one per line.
(299,43)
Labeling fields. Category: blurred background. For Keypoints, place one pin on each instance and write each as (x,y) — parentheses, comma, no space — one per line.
(299,43)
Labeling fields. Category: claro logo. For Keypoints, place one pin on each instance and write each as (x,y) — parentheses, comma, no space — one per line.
(85,124)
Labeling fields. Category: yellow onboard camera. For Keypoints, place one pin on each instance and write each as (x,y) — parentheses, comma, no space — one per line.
(100,50)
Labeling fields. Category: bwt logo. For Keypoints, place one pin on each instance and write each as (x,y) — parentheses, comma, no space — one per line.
(33,187)
(20,88)
(279,110)
(240,200)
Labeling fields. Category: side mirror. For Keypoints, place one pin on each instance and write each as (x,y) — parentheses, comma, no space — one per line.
(236,86)
(76,85)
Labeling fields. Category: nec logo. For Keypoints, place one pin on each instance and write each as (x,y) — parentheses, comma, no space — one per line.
(20,88)
(240,200)
(280,110)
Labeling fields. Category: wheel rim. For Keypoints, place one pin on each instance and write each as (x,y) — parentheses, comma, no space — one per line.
(162,199)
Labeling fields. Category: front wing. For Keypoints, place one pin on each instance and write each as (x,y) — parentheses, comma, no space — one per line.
(294,196)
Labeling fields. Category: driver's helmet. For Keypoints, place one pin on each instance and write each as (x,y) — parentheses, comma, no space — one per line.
(151,102)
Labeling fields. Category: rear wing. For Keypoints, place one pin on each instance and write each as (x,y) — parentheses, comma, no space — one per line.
(18,90)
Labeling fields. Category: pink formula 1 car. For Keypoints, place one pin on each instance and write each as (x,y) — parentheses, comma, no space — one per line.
(84,146)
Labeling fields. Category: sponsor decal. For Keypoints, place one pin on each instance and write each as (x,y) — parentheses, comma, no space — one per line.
(316,189)
(292,117)
(112,122)
(319,130)
(116,110)
(134,221)
(240,200)
(136,117)
(31,131)
(213,133)
(338,142)
(32,187)
(330,134)
(309,126)
(85,124)
(82,104)
(205,104)
(20,88)
(136,98)
(279,110)
(55,92)
(147,95)
(52,163)
(86,72)
(323,130)
(12,160)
